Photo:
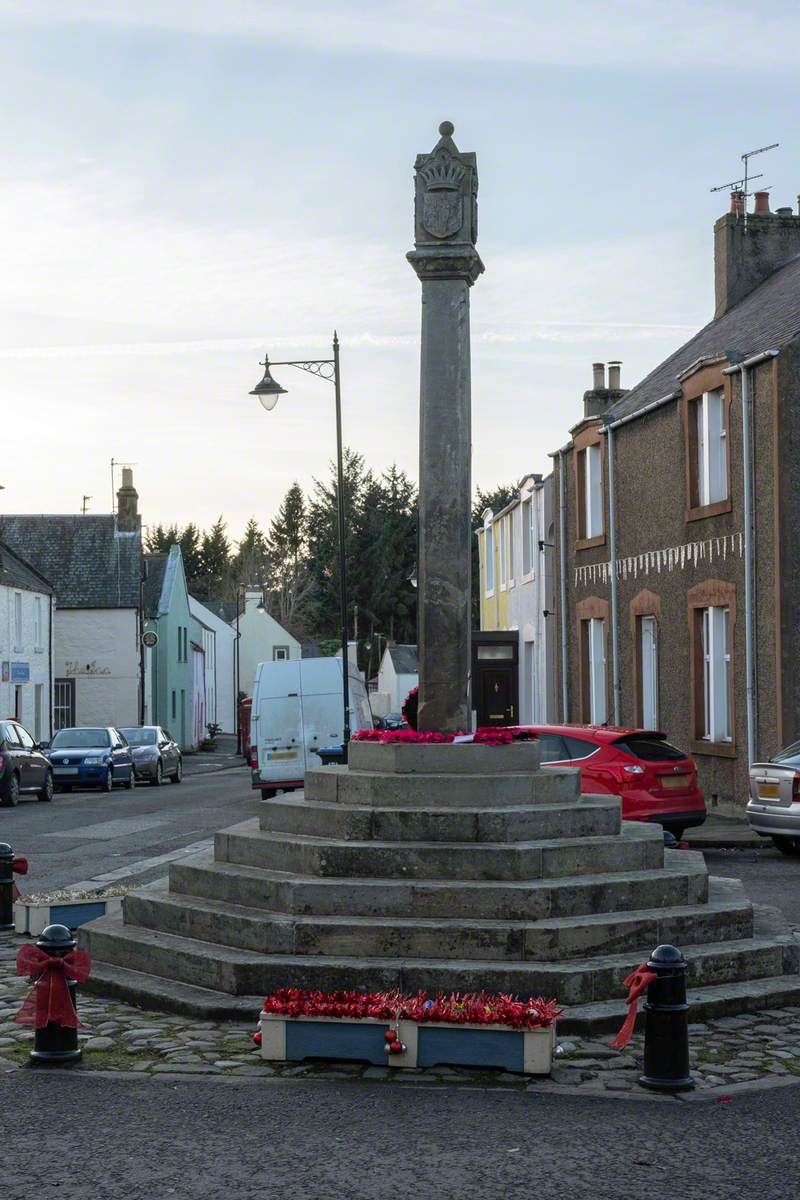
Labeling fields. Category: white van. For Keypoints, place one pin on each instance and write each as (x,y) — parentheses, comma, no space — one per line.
(297,710)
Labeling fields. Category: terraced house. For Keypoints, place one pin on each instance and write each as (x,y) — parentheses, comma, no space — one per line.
(677,507)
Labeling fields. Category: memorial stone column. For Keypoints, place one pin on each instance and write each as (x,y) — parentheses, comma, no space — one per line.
(447,263)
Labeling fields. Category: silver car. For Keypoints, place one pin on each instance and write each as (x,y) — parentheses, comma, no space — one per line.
(155,755)
(773,809)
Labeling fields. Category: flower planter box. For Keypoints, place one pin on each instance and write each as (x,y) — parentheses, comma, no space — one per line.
(32,918)
(428,1044)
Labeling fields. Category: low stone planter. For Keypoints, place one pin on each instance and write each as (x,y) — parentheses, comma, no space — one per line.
(32,917)
(428,1044)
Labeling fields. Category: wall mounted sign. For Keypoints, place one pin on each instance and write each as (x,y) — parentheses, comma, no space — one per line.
(150,639)
(20,672)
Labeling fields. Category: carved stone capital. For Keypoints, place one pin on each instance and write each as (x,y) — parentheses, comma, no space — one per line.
(456,262)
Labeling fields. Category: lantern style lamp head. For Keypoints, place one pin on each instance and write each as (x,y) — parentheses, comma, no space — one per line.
(261,606)
(268,389)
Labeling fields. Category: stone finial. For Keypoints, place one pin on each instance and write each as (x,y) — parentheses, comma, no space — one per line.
(446,211)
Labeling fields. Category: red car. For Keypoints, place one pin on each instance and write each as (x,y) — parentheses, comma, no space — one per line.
(657,782)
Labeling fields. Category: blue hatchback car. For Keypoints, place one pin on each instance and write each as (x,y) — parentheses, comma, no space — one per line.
(91,757)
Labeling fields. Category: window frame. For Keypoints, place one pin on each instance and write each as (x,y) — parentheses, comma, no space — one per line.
(593,608)
(488,554)
(503,553)
(66,685)
(19,624)
(706,381)
(583,442)
(720,596)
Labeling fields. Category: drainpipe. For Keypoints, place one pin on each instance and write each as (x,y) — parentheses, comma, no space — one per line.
(745,368)
(612,547)
(562,572)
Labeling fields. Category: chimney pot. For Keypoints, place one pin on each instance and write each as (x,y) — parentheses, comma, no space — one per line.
(737,203)
(599,373)
(614,376)
(762,204)
(784,212)
(127,504)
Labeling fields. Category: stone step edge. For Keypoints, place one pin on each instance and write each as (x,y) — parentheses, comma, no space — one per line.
(691,865)
(151,992)
(113,927)
(635,832)
(157,892)
(705,1003)
(300,801)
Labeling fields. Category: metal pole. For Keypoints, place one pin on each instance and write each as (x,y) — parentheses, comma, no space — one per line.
(562,574)
(612,545)
(236,680)
(342,555)
(748,565)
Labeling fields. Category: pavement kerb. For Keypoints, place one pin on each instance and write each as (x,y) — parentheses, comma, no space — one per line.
(536,1086)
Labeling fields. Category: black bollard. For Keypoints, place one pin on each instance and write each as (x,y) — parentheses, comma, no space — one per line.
(55,1043)
(666,1030)
(6,887)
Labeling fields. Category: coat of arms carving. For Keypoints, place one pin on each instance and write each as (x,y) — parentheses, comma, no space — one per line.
(442,203)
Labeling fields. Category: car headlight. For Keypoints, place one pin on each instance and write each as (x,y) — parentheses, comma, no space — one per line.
(94,760)
(633,770)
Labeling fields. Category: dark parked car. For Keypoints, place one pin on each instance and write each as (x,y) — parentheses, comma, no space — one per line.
(23,767)
(155,755)
(91,757)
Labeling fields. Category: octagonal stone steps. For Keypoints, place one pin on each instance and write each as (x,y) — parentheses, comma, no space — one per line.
(548,940)
(577,981)
(683,880)
(637,847)
(342,785)
(590,816)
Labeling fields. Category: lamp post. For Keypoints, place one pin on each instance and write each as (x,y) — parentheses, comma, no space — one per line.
(268,391)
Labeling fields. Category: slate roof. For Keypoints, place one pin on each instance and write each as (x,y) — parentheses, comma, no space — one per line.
(155,566)
(16,573)
(88,563)
(404,659)
(766,319)
(224,609)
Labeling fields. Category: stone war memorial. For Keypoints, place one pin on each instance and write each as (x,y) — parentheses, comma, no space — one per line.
(441,867)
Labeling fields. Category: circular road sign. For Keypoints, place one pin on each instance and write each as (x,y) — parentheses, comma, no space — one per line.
(150,639)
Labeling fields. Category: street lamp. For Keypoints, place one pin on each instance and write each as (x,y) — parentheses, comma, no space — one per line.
(268,390)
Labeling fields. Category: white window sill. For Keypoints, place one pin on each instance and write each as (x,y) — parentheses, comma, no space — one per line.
(489,595)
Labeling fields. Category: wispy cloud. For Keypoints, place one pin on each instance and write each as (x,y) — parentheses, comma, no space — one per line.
(572,33)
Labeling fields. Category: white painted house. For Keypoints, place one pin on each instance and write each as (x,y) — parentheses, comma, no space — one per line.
(26,623)
(94,564)
(397,675)
(261,639)
(218,640)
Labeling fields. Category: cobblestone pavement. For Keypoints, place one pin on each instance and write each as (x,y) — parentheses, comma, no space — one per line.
(730,1053)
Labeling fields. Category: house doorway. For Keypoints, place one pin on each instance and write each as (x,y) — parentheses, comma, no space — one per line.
(495,678)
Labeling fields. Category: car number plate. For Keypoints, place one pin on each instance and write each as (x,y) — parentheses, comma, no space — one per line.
(769,791)
(274,755)
(674,781)
(57,770)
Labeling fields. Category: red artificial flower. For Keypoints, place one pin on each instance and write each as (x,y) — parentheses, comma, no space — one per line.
(477,1008)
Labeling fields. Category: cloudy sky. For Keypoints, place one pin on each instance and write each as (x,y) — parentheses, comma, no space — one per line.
(187,182)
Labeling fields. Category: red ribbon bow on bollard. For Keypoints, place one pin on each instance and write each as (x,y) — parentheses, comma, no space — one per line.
(49,998)
(19,866)
(637,982)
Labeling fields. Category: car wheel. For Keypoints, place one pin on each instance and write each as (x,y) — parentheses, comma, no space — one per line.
(677,831)
(46,793)
(108,782)
(156,782)
(178,776)
(11,793)
(130,784)
(787,845)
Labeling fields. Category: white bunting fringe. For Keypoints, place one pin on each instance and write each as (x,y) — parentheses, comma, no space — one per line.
(668,559)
